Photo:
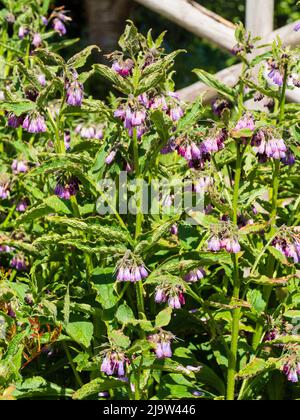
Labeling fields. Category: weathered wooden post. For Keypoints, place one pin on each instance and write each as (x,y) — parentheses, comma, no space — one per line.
(260,17)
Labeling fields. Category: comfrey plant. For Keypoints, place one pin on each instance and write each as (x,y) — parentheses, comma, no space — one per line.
(129,303)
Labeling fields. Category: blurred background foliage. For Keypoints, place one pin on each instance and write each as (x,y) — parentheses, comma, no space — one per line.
(200,53)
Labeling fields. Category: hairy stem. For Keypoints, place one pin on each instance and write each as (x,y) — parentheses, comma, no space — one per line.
(232,363)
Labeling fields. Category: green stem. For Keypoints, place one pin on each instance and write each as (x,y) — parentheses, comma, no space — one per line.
(232,363)
(275,192)
(138,226)
(77,377)
(139,215)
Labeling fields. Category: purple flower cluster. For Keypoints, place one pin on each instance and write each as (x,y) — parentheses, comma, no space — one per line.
(123,68)
(162,344)
(292,371)
(131,273)
(133,118)
(289,247)
(66,187)
(114,363)
(173,295)
(75,92)
(246,122)
(59,21)
(174,230)
(110,157)
(22,205)
(34,123)
(19,166)
(229,244)
(37,40)
(195,275)
(67,139)
(4,189)
(19,262)
(22,32)
(274,74)
(13,121)
(266,146)
(197,154)
(91,132)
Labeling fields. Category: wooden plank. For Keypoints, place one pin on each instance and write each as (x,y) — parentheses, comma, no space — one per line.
(260,17)
(195,19)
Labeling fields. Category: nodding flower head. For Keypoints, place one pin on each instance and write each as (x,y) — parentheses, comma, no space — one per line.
(246,122)
(291,368)
(19,262)
(195,275)
(174,230)
(4,187)
(59,27)
(176,113)
(42,80)
(219,106)
(90,132)
(13,121)
(170,147)
(44,20)
(289,246)
(123,68)
(110,157)
(67,139)
(114,363)
(297,27)
(131,269)
(214,244)
(22,205)
(66,187)
(290,159)
(162,344)
(22,32)
(159,102)
(37,40)
(19,166)
(170,293)
(34,123)
(133,118)
(274,74)
(75,93)
(224,236)
(266,144)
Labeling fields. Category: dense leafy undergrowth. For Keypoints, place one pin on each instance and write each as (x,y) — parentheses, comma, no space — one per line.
(145,305)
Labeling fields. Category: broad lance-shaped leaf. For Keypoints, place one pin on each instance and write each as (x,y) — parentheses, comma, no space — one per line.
(158,233)
(287,339)
(211,81)
(191,116)
(89,249)
(163,318)
(162,64)
(256,367)
(97,385)
(124,314)
(79,60)
(112,76)
(51,204)
(266,281)
(38,387)
(109,233)
(163,124)
(81,332)
(18,107)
